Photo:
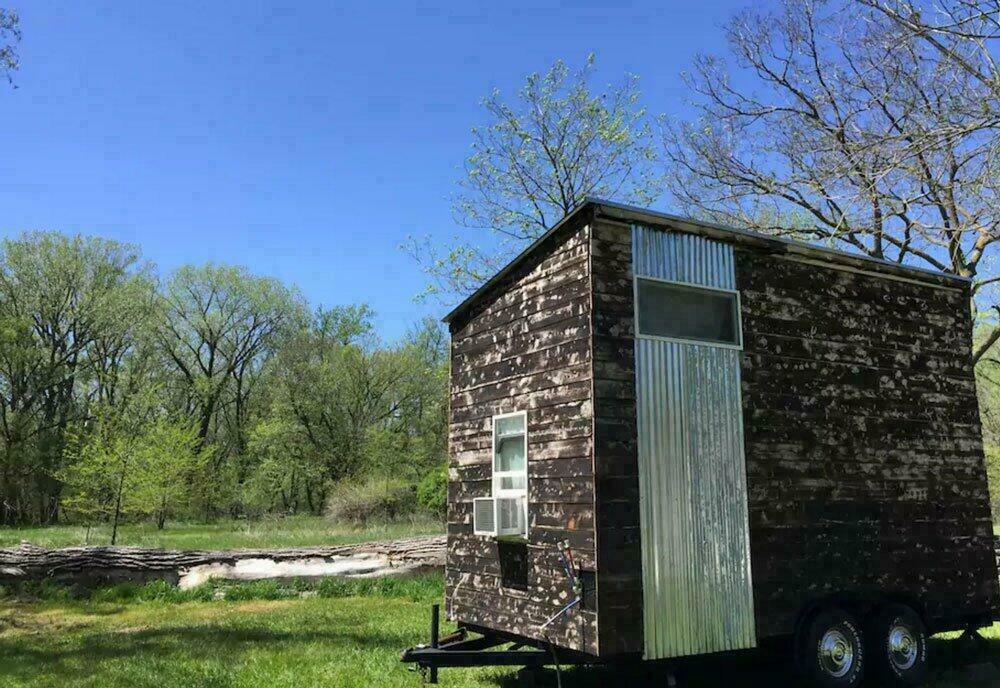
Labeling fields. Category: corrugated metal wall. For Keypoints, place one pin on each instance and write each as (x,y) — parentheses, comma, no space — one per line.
(692,473)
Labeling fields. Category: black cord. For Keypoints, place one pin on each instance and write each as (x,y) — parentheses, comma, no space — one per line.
(555,658)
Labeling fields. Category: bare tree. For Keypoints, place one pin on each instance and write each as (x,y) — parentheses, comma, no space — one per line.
(539,157)
(962,32)
(858,133)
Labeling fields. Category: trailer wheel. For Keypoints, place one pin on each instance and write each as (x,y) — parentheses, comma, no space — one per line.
(898,646)
(831,650)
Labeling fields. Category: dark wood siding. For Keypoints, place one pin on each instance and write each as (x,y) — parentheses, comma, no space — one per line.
(526,346)
(619,562)
(865,465)
(864,458)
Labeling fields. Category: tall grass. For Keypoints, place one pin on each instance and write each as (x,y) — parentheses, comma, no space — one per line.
(290,531)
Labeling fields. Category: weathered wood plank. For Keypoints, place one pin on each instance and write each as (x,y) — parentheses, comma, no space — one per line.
(864,460)
(619,570)
(528,348)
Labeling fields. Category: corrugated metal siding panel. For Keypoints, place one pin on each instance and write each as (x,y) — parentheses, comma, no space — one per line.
(693,505)
(682,258)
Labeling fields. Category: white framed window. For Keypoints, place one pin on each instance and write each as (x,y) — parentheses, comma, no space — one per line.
(506,512)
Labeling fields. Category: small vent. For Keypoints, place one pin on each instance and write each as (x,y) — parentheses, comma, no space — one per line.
(484,516)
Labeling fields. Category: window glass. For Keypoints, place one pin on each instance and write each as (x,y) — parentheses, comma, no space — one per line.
(516,482)
(511,515)
(511,425)
(510,473)
(684,312)
(510,453)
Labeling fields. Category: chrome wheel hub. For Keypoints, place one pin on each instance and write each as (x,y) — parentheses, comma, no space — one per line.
(836,653)
(902,647)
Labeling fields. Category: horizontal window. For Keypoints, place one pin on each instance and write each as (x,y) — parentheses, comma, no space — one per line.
(679,311)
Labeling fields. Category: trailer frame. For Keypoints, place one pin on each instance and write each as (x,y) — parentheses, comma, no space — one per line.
(461,649)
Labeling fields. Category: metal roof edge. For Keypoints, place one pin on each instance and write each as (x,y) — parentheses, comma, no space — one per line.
(655,218)
(509,267)
(833,255)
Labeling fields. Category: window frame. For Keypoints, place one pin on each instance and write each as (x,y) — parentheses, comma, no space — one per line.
(738,346)
(500,493)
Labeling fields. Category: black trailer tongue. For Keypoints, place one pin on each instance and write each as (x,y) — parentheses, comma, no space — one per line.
(480,648)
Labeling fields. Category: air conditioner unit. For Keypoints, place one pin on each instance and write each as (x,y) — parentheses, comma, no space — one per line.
(484,516)
(494,516)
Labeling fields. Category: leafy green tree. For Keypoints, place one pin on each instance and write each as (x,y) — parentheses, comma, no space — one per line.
(343,406)
(170,460)
(538,157)
(124,398)
(993,476)
(102,472)
(424,412)
(63,300)
(219,327)
(432,490)
(132,460)
(289,473)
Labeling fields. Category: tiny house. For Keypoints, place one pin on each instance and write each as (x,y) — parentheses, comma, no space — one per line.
(735,437)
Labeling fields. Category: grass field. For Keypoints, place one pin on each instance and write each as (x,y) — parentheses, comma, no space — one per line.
(292,531)
(347,634)
(263,634)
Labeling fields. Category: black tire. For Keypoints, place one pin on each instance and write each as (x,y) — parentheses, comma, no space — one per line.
(897,646)
(831,650)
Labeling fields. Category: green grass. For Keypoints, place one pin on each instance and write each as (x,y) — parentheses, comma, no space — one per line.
(292,531)
(349,641)
(262,635)
(417,588)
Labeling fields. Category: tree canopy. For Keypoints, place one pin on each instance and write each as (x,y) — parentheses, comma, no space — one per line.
(540,154)
(211,391)
(856,130)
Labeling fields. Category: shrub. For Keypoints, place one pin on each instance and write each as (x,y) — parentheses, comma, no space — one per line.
(432,491)
(376,500)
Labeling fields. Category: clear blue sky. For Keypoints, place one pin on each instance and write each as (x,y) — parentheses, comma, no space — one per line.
(305,141)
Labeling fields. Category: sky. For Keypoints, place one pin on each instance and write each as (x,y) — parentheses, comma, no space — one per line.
(306,141)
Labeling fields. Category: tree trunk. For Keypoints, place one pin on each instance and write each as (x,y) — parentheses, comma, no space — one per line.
(118,509)
(107,564)
(161,514)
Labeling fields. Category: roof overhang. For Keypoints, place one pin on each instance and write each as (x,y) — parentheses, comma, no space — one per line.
(619,212)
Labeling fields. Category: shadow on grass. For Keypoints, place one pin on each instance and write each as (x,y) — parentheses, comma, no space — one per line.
(209,654)
(763,669)
(766,668)
(177,649)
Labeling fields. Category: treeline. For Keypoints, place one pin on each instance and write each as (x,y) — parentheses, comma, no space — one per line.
(208,392)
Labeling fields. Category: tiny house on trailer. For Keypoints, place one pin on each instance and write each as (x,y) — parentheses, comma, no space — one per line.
(733,437)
